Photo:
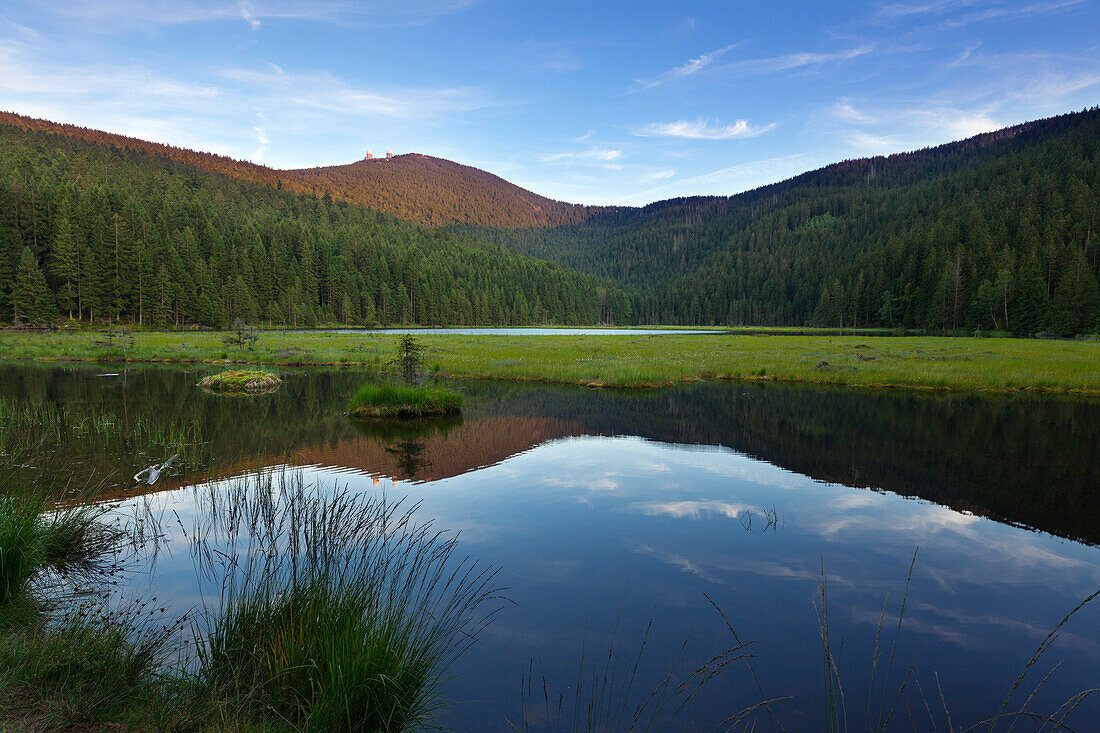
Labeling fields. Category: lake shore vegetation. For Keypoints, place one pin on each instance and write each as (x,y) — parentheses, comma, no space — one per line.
(939,363)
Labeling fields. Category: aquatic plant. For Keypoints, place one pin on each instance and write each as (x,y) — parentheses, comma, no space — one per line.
(34,542)
(605,694)
(19,539)
(337,612)
(391,400)
(241,381)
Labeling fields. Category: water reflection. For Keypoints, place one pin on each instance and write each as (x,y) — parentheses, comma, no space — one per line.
(1022,459)
(597,505)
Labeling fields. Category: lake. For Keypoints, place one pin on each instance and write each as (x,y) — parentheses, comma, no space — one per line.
(607,513)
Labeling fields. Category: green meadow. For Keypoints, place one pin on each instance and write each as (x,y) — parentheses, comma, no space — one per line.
(629,361)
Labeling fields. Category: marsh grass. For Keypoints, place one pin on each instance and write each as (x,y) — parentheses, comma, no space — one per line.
(924,362)
(37,542)
(85,664)
(71,454)
(241,382)
(337,612)
(395,400)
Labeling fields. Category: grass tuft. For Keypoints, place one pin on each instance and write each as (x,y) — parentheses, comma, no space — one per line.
(337,612)
(391,400)
(34,543)
(241,381)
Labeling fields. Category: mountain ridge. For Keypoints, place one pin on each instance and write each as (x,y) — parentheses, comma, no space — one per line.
(420,188)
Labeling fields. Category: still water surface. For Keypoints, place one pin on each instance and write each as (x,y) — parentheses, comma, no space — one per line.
(519,331)
(598,505)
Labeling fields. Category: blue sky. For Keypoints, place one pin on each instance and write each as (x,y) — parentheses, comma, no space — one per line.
(592,102)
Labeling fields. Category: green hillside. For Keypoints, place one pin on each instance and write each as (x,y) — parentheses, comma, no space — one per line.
(996,232)
(101,232)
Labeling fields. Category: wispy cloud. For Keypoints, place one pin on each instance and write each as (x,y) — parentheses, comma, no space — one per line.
(962,15)
(686,69)
(793,61)
(323,91)
(897,128)
(604,157)
(781,166)
(659,175)
(560,56)
(249,18)
(701,130)
(899,11)
(262,142)
(378,13)
(1009,12)
(211,109)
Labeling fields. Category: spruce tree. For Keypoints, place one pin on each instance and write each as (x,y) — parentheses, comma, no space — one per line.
(32,302)
(65,262)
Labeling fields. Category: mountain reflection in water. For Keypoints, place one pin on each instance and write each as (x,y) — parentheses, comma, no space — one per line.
(1022,459)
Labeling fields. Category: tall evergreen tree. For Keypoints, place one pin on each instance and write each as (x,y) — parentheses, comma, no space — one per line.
(32,302)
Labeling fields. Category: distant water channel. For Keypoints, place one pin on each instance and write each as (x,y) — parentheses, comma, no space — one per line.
(519,331)
(605,507)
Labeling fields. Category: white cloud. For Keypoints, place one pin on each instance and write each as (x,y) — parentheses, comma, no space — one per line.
(249,18)
(684,70)
(894,129)
(701,130)
(262,141)
(690,509)
(593,156)
(214,109)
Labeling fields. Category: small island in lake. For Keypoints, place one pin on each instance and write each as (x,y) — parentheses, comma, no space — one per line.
(390,400)
(241,382)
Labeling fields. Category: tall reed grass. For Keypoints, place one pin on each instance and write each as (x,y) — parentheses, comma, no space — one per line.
(36,542)
(337,612)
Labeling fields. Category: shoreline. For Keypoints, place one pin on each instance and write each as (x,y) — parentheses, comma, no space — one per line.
(937,363)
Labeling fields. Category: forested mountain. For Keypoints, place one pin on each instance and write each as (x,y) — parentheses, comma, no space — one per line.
(416,187)
(436,191)
(996,232)
(99,231)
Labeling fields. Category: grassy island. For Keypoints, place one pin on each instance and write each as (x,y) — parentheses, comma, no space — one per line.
(390,400)
(241,382)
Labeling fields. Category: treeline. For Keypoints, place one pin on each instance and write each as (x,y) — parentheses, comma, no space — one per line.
(997,232)
(415,187)
(102,233)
